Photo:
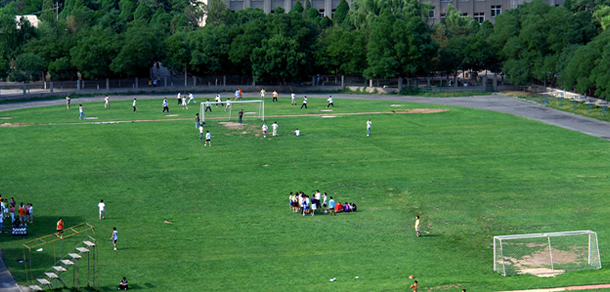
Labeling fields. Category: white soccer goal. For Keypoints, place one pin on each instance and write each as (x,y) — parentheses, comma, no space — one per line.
(253,109)
(546,254)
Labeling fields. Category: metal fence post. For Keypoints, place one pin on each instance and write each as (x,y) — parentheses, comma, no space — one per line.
(107,84)
(136,82)
(51,86)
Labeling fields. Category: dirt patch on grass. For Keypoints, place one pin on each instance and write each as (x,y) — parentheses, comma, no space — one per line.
(12,125)
(421,111)
(231,125)
(5,118)
(539,262)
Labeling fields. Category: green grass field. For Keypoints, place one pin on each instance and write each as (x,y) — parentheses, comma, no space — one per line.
(470,174)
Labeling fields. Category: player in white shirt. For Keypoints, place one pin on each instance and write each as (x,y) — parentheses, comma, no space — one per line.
(368,127)
(102,207)
(184,103)
(106,104)
(265,128)
(294,101)
(208,138)
(330,101)
(218,100)
(134,104)
(228,104)
(297,132)
(179,99)
(192,98)
(304,103)
(274,127)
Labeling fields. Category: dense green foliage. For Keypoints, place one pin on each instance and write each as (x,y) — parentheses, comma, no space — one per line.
(470,174)
(562,45)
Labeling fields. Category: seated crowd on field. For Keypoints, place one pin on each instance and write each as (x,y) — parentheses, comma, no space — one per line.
(303,204)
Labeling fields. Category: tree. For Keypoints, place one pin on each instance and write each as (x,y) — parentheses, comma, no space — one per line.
(341,12)
(94,53)
(27,68)
(297,8)
(217,12)
(209,49)
(340,51)
(143,12)
(278,56)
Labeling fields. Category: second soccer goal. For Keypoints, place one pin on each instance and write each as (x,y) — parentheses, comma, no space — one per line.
(223,112)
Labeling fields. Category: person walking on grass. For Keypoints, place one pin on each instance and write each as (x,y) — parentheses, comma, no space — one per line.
(201,132)
(102,208)
(208,105)
(240,115)
(331,206)
(60,228)
(165,106)
(68,101)
(134,104)
(179,99)
(219,100)
(197,120)
(304,103)
(191,98)
(106,104)
(293,97)
(368,127)
(208,139)
(330,101)
(265,128)
(414,286)
(114,237)
(82,114)
(274,128)
(228,104)
(417,227)
(184,104)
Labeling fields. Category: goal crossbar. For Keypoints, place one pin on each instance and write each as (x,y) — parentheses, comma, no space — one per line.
(537,235)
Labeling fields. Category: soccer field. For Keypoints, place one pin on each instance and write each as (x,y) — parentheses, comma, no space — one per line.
(470,174)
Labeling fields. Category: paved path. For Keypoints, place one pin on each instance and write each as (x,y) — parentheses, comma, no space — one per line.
(498,103)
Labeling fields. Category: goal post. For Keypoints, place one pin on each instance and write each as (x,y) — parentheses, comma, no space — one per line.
(253,109)
(546,254)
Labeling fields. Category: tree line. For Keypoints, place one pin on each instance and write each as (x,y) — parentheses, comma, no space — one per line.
(566,46)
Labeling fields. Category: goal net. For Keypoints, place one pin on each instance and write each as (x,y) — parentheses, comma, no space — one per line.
(253,109)
(546,254)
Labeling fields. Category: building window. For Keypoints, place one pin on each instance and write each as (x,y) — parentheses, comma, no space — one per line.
(479,16)
(464,14)
(442,15)
(321,11)
(495,10)
(445,0)
(431,13)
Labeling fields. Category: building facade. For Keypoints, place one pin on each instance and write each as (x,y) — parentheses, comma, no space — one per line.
(479,10)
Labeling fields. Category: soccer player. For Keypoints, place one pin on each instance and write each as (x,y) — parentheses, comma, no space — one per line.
(240,93)
(208,106)
(114,236)
(414,286)
(68,101)
(82,114)
(316,196)
(197,120)
(218,100)
(134,104)
(274,96)
(417,228)
(274,128)
(293,96)
(208,138)
(304,103)
(236,94)
(263,93)
(106,104)
(165,106)
(240,115)
(184,104)
(331,206)
(330,101)
(297,132)
(324,198)
(102,208)
(201,133)
(228,104)
(265,130)
(179,99)
(368,127)
(191,98)
(60,228)
(29,212)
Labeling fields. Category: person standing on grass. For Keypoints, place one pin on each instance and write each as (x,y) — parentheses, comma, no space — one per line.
(368,127)
(82,114)
(134,104)
(197,120)
(102,208)
(294,101)
(22,214)
(263,93)
(1,221)
(265,128)
(417,227)
(165,106)
(201,132)
(236,94)
(31,213)
(228,104)
(274,96)
(208,139)
(208,105)
(114,236)
(324,199)
(27,212)
(240,115)
(60,228)
(68,101)
(12,210)
(218,100)
(179,99)
(191,98)
(330,101)
(331,206)
(184,104)
(274,128)
(241,96)
(304,103)
(106,104)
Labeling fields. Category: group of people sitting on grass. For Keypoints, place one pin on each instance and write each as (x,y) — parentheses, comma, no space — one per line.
(303,204)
